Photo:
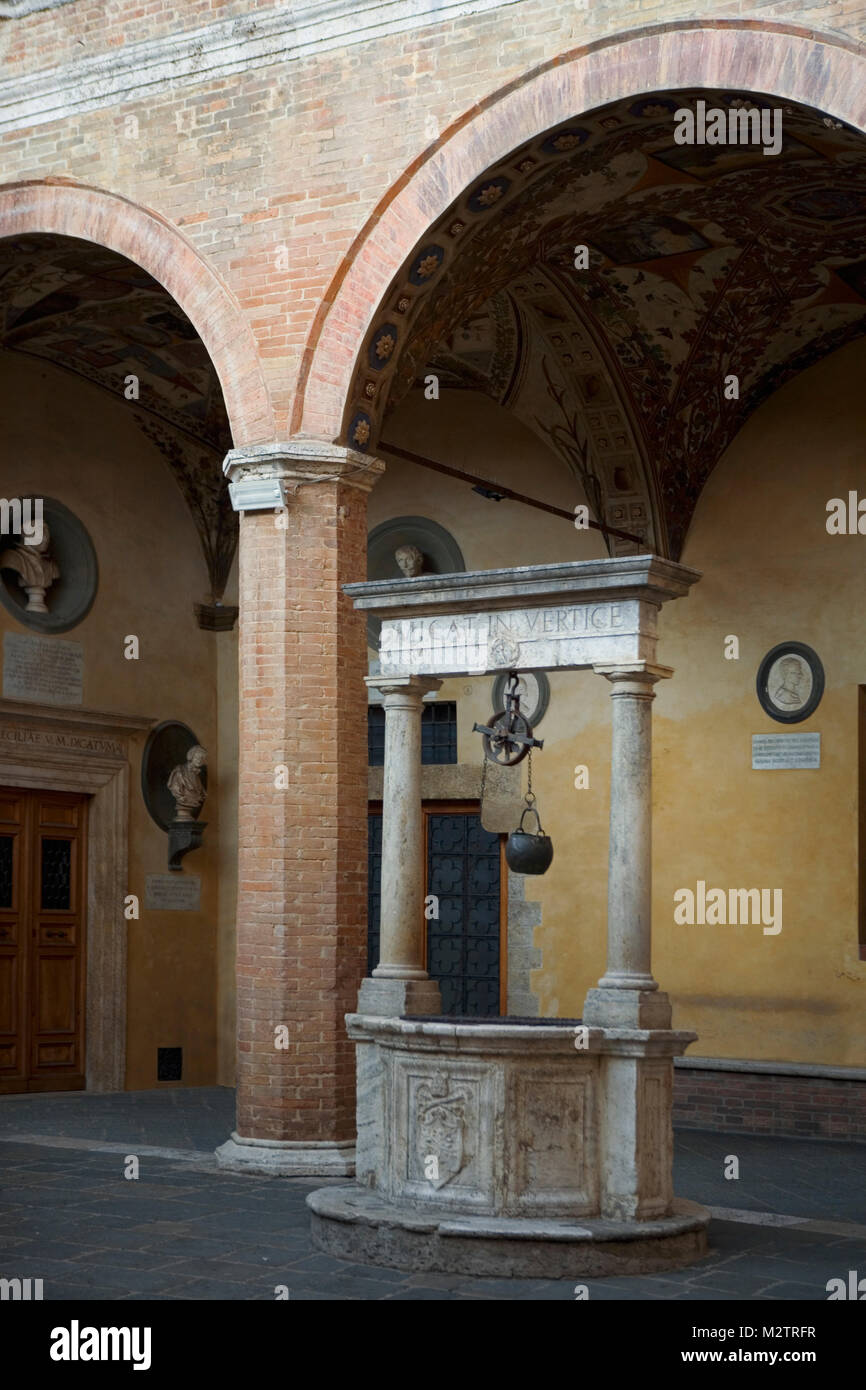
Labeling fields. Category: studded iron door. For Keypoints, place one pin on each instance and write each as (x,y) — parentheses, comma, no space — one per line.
(464,874)
(42,919)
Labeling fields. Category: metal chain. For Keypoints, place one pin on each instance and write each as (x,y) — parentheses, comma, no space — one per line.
(483,785)
(530,795)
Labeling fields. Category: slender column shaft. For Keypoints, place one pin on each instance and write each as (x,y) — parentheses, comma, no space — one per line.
(630,851)
(401,954)
(629,892)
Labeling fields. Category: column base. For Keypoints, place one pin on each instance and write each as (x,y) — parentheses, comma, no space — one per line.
(288,1158)
(626,1008)
(384,998)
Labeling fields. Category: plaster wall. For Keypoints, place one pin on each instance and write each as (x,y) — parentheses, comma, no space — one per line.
(69,440)
(771,573)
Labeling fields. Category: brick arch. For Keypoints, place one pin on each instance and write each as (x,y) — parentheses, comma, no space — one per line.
(792,63)
(91,214)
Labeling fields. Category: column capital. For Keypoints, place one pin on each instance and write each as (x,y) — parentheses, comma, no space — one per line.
(415,686)
(641,673)
(286,465)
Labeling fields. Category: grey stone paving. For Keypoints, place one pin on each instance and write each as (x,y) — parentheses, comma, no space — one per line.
(182,1118)
(184,1230)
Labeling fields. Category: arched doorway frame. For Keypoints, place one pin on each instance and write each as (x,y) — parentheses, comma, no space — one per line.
(792,63)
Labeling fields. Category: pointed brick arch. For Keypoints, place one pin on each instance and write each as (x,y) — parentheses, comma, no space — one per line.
(792,63)
(91,214)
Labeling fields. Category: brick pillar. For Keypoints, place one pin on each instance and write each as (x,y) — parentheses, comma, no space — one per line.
(302,838)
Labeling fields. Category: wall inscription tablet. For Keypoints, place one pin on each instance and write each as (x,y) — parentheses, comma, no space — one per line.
(771,751)
(171,893)
(42,669)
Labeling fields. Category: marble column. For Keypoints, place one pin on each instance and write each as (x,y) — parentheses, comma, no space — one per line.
(627,996)
(400,983)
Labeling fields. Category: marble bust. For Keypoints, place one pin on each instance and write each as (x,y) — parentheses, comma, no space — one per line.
(186,786)
(35,567)
(410,560)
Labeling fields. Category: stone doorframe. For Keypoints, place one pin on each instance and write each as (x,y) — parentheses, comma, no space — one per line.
(86,751)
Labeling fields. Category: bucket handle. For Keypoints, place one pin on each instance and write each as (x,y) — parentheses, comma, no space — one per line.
(526,812)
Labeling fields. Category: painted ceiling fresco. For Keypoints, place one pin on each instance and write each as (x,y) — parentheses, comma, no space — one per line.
(95,314)
(704,261)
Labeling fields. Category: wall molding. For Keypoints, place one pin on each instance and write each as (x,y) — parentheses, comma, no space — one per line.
(15,9)
(136,72)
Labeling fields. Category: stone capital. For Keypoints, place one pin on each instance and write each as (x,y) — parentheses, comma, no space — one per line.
(302,460)
(413,688)
(639,675)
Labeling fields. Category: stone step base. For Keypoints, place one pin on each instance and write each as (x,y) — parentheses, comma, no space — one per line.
(356,1224)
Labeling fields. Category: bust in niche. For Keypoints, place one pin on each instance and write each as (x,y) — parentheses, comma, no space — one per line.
(186,786)
(410,560)
(36,568)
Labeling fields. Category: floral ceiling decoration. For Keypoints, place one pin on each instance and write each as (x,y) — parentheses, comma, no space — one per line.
(704,261)
(99,316)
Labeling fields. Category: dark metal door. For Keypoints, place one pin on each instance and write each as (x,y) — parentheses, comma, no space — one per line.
(464,878)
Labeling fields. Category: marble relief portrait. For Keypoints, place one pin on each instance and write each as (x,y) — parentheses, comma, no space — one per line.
(790,682)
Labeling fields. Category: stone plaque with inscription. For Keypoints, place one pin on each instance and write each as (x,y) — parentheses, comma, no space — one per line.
(780,751)
(45,670)
(544,638)
(172,893)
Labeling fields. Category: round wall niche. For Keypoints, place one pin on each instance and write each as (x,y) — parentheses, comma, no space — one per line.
(166,748)
(48,587)
(442,554)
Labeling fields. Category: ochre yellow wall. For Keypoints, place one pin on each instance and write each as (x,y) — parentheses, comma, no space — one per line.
(70,440)
(770,573)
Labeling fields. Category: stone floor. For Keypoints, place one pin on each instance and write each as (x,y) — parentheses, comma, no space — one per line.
(795,1218)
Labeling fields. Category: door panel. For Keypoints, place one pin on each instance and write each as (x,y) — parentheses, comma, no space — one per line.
(465,945)
(13,940)
(42,955)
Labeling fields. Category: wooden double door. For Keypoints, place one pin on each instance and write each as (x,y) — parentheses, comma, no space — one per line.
(42,947)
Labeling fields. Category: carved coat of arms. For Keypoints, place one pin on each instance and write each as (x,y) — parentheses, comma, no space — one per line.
(439,1131)
(505,650)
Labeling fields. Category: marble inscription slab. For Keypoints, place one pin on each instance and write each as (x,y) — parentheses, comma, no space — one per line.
(172,893)
(774,751)
(571,635)
(43,669)
(73,742)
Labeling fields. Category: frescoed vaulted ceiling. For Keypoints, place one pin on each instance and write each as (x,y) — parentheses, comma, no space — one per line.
(95,314)
(705,261)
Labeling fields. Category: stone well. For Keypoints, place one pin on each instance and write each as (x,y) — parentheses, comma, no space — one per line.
(498,1147)
(504,1146)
